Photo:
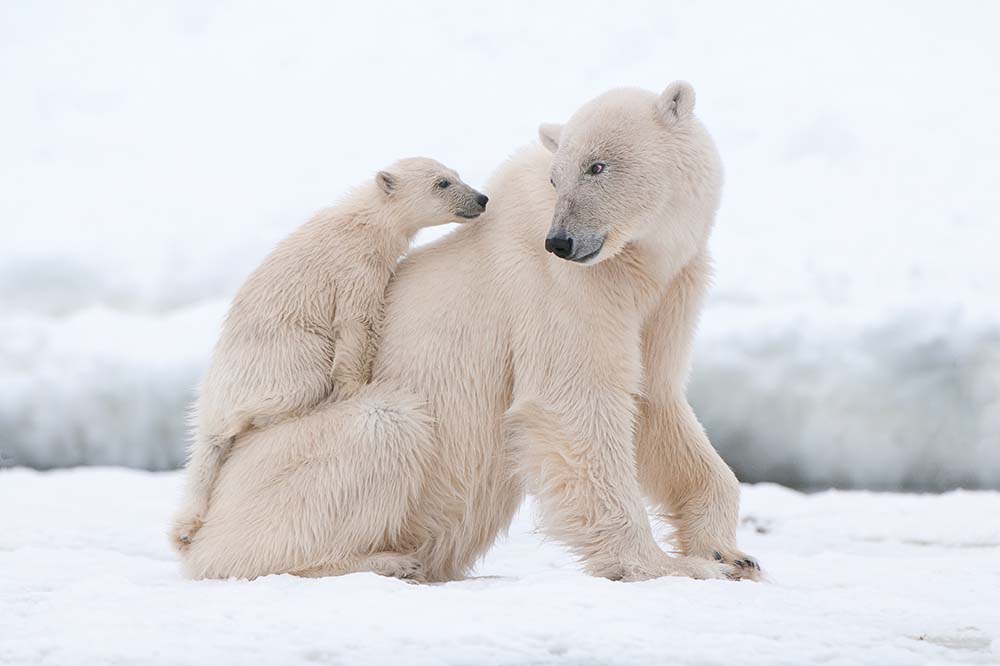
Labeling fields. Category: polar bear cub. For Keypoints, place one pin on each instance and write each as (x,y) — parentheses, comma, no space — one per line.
(304,325)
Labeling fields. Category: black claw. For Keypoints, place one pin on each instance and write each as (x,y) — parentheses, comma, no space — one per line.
(717,555)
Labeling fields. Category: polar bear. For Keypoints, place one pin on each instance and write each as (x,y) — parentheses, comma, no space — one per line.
(545,350)
(303,327)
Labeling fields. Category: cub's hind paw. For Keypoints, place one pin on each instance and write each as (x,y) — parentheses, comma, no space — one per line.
(183,531)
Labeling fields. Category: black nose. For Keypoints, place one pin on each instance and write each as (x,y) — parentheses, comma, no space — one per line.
(482,199)
(561,246)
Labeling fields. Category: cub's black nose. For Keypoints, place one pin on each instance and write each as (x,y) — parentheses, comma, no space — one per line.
(561,246)
(482,199)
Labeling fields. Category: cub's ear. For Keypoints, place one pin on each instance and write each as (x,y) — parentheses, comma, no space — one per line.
(676,103)
(385,181)
(549,135)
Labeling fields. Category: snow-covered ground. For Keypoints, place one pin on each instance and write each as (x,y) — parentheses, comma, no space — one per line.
(86,577)
(153,152)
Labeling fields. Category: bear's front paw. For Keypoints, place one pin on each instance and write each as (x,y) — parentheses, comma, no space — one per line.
(744,567)
(701,569)
(689,567)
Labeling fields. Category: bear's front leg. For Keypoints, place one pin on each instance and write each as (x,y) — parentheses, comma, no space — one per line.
(584,481)
(678,468)
(697,492)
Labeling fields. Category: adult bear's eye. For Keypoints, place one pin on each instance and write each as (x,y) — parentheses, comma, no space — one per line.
(443,184)
(596,168)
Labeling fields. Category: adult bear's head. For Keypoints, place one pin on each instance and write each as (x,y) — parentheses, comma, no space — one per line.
(631,165)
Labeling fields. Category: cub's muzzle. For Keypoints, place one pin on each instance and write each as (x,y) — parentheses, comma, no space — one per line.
(474,208)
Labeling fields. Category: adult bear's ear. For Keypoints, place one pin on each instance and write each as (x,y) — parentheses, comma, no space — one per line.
(549,134)
(385,181)
(676,103)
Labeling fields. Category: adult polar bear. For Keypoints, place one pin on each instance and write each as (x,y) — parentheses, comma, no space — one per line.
(503,368)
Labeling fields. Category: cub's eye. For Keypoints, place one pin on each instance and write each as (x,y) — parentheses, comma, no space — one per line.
(596,168)
(443,183)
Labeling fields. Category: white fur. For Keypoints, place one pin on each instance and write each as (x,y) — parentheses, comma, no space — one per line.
(502,368)
(303,326)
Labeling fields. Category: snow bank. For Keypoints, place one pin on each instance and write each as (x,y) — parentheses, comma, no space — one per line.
(834,400)
(152,155)
(913,404)
(101,387)
(86,577)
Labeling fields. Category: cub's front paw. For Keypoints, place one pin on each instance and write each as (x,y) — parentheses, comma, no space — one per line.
(345,388)
(348,379)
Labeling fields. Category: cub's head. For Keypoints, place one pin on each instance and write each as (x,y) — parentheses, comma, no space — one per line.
(631,165)
(428,193)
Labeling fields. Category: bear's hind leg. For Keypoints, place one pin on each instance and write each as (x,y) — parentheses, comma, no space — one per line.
(318,494)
